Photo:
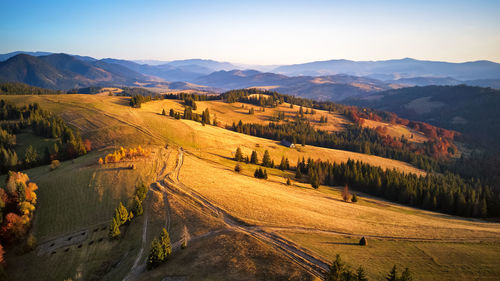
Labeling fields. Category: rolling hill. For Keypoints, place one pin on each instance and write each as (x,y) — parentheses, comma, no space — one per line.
(473,111)
(260,229)
(61,71)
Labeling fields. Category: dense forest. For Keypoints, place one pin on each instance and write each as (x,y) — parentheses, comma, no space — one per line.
(352,138)
(13,119)
(15,88)
(447,193)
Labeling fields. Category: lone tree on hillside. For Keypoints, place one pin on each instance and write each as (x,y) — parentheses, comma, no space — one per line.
(185,237)
(354,198)
(237,168)
(254,158)
(238,156)
(345,193)
(266,159)
(163,112)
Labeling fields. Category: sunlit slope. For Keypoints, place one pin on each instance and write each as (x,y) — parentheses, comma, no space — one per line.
(109,121)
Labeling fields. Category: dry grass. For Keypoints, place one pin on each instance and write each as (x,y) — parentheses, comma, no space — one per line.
(271,203)
(396,131)
(426,260)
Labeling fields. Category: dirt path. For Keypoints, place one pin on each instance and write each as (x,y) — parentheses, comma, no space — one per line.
(140,264)
(302,257)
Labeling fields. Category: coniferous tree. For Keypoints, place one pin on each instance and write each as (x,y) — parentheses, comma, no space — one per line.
(155,256)
(266,159)
(171,113)
(138,210)
(114,229)
(121,214)
(360,274)
(335,270)
(238,156)
(163,112)
(254,158)
(393,274)
(406,275)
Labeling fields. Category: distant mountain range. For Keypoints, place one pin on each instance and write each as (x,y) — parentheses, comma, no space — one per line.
(325,80)
(395,69)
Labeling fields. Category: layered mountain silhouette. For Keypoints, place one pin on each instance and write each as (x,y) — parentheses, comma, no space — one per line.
(325,80)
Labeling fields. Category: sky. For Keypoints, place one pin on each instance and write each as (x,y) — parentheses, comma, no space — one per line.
(255,32)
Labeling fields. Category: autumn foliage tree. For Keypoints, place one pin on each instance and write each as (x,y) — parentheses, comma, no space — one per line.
(345,193)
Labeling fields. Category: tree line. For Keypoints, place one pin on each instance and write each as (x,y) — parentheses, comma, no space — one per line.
(447,193)
(16,88)
(123,216)
(352,138)
(69,144)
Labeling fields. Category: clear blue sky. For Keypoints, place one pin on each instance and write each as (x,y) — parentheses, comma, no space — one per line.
(259,32)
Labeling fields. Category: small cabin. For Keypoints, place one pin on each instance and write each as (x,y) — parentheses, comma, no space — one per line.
(287,143)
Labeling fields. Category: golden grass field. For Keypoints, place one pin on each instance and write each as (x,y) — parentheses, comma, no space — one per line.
(80,194)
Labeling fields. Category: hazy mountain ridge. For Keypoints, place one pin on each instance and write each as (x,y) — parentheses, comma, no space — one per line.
(394,69)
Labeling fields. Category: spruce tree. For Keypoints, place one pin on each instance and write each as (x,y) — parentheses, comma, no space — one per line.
(155,256)
(165,244)
(121,214)
(114,229)
(163,112)
(406,275)
(336,269)
(138,210)
(266,159)
(361,275)
(238,156)
(393,274)
(254,158)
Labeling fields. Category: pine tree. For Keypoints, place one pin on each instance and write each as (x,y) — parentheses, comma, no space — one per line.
(354,198)
(165,244)
(163,112)
(393,274)
(171,113)
(238,156)
(406,275)
(121,214)
(361,275)
(288,182)
(254,158)
(336,269)
(155,256)
(114,229)
(282,163)
(266,159)
(138,210)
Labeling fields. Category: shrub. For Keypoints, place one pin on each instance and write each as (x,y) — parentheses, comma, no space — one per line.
(237,168)
(354,198)
(54,164)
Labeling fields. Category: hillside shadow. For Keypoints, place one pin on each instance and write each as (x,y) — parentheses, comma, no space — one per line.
(341,243)
(115,169)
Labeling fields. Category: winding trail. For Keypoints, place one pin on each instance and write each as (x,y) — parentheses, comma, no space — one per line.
(307,260)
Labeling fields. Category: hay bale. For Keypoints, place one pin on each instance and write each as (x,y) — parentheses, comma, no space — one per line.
(363,241)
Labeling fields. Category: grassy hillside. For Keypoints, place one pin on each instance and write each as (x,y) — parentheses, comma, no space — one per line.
(472,111)
(241,227)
